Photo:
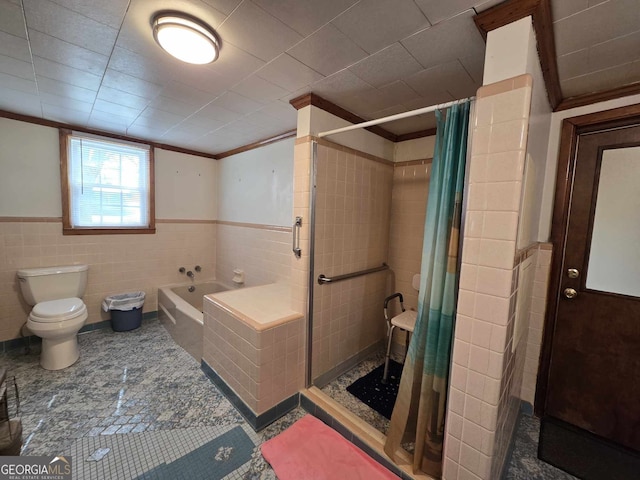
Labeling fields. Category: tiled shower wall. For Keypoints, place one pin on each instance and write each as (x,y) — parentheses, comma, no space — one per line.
(408,212)
(353,201)
(262,252)
(117,263)
(487,374)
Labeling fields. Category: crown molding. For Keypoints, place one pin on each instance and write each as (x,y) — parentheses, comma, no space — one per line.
(258,144)
(596,97)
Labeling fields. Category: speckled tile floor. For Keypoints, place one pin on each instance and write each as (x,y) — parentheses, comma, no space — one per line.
(134,388)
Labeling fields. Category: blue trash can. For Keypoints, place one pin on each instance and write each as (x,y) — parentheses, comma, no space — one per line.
(126,310)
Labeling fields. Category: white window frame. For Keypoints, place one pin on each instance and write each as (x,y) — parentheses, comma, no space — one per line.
(68,227)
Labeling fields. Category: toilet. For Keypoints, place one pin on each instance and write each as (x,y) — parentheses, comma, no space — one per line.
(58,314)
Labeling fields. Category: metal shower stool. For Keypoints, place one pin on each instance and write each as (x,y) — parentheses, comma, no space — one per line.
(405,321)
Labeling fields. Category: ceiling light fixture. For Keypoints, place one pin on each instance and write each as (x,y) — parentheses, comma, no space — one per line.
(186,38)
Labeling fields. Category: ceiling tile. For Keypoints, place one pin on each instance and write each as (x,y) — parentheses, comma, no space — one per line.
(57,21)
(474,65)
(12,19)
(190,129)
(64,73)
(139,66)
(234,63)
(18,101)
(224,6)
(15,47)
(446,41)
(174,106)
(105,106)
(597,24)
(343,83)
(259,89)
(304,16)
(213,116)
(236,103)
(451,77)
(573,64)
(109,13)
(187,94)
(565,8)
(17,68)
(66,90)
(65,114)
(398,92)
(122,98)
(614,52)
(433,98)
(62,101)
(437,10)
(374,24)
(156,124)
(598,81)
(51,48)
(255,31)
(281,110)
(108,122)
(288,73)
(392,63)
(327,51)
(127,83)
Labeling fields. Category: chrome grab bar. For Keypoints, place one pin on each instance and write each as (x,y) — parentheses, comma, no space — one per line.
(323,279)
(297,225)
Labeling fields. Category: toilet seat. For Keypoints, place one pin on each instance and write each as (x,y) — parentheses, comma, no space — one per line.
(58,310)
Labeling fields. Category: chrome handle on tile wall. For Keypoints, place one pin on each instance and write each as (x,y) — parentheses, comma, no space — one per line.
(297,225)
(323,279)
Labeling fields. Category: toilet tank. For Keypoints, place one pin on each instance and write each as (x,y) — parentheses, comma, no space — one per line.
(52,283)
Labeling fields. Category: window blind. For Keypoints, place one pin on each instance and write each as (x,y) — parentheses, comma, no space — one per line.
(108,183)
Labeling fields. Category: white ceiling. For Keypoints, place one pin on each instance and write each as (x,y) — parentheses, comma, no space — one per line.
(93,63)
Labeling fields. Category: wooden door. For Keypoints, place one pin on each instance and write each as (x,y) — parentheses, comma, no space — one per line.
(590,374)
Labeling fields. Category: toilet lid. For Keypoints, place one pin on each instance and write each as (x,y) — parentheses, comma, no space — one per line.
(58,310)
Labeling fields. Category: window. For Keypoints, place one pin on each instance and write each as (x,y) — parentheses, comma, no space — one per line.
(107,185)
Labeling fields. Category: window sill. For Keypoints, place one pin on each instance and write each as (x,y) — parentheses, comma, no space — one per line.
(107,231)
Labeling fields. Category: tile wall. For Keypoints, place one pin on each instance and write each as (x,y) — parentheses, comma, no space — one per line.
(263,252)
(486,376)
(536,321)
(262,367)
(353,206)
(117,263)
(408,212)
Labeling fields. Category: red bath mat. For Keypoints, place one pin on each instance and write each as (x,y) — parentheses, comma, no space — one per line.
(311,450)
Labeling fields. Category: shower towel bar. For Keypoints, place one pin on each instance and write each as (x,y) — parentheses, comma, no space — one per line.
(322,279)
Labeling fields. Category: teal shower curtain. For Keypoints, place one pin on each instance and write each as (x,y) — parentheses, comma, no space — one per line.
(418,415)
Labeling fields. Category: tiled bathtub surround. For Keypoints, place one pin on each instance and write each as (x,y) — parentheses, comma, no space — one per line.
(487,374)
(117,263)
(255,343)
(261,251)
(353,199)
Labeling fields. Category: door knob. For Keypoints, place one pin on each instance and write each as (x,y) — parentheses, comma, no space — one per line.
(573,273)
(570,293)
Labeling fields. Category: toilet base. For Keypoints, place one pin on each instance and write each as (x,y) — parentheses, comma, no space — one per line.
(59,353)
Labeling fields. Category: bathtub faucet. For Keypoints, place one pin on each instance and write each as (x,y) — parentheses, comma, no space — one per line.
(190,274)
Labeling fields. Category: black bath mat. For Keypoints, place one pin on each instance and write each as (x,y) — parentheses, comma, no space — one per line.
(379,396)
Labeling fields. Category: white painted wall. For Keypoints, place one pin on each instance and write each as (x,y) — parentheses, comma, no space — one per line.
(313,120)
(416,149)
(537,142)
(30,177)
(257,186)
(546,214)
(29,170)
(504,53)
(185,186)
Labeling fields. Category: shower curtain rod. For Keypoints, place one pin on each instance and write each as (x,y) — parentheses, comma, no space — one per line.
(391,118)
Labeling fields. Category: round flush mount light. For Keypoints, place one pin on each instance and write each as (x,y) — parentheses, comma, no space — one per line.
(186,38)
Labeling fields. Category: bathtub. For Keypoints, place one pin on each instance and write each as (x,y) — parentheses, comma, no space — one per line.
(180,311)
